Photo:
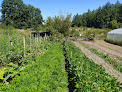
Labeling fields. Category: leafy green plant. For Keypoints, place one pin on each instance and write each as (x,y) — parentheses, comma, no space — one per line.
(116,65)
(46,74)
(87,76)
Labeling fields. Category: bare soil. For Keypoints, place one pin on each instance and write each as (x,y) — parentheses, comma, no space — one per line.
(111,50)
(109,69)
(109,46)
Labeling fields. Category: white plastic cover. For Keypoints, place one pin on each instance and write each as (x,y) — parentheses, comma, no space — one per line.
(116,31)
(115,35)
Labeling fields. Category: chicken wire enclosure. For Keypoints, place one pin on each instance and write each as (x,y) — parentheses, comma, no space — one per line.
(115,35)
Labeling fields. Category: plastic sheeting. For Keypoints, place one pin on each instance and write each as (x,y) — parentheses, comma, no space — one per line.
(115,35)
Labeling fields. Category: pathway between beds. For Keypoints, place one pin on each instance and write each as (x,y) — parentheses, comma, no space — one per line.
(109,69)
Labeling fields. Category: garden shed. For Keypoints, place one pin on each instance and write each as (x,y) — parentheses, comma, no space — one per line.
(115,35)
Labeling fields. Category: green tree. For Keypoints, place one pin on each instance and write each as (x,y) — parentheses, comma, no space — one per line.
(16,13)
(59,24)
(36,19)
(114,24)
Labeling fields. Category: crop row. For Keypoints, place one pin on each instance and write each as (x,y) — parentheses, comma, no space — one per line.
(85,75)
(47,74)
(116,65)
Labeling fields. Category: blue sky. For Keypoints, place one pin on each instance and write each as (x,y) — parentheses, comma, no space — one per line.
(54,7)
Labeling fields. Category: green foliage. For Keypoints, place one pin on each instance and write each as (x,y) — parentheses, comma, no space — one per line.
(58,24)
(40,28)
(108,16)
(114,24)
(4,27)
(19,15)
(87,76)
(46,74)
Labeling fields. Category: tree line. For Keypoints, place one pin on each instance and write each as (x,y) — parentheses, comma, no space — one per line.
(107,16)
(20,15)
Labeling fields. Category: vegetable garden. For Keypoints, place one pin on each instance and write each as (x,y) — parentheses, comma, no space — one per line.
(34,64)
(116,65)
(85,75)
(31,64)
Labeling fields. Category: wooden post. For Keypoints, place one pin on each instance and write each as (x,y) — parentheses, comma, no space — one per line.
(24,43)
(30,42)
(119,71)
(8,39)
(45,37)
(39,38)
(37,43)
(35,39)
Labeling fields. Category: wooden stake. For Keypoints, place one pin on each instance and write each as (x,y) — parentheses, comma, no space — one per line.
(35,38)
(30,42)
(24,43)
(40,38)
(37,43)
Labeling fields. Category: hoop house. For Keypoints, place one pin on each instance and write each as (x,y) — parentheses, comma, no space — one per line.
(115,35)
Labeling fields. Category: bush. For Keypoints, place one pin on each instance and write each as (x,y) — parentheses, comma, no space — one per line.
(114,24)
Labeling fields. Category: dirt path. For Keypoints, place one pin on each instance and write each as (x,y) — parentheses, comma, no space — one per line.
(113,52)
(100,61)
(110,53)
(110,46)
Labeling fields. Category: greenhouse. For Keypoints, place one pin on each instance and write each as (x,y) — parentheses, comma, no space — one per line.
(115,35)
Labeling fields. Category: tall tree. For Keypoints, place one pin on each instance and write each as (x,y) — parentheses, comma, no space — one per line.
(108,16)
(16,13)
